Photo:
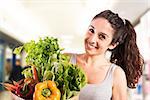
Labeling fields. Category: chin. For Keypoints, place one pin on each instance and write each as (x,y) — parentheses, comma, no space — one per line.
(92,53)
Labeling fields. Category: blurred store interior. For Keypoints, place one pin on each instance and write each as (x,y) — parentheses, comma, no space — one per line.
(25,20)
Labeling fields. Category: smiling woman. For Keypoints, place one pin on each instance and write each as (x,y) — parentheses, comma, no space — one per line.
(99,30)
(108,79)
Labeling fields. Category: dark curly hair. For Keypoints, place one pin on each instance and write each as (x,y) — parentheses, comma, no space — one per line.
(126,54)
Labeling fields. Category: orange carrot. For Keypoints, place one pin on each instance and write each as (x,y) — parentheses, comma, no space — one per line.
(9,86)
(35,75)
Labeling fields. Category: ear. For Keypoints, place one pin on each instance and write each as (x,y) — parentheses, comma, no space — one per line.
(112,46)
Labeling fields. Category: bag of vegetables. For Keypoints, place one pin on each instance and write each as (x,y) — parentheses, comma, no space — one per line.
(51,75)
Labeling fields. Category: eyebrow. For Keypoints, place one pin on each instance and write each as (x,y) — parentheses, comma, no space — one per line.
(103,34)
(99,32)
(92,26)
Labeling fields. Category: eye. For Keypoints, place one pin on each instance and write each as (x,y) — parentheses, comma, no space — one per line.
(91,30)
(102,37)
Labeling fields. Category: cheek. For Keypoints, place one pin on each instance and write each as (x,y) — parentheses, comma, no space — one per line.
(104,45)
(87,36)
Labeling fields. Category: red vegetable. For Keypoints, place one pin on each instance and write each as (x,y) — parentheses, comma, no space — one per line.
(25,91)
(18,83)
(21,89)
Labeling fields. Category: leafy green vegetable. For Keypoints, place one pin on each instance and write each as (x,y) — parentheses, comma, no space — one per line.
(51,64)
(27,73)
(18,50)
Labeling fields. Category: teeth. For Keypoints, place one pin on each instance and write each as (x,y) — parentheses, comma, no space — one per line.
(91,46)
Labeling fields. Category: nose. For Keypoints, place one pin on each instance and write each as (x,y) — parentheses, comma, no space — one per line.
(93,40)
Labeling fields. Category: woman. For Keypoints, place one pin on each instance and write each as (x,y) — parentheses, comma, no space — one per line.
(108,79)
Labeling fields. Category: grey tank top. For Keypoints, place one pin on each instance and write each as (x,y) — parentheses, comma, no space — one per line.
(102,91)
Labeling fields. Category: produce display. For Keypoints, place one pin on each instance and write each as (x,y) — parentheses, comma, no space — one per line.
(50,76)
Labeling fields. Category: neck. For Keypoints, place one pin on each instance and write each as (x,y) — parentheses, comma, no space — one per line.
(95,60)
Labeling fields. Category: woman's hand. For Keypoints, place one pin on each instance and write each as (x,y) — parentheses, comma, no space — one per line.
(15,97)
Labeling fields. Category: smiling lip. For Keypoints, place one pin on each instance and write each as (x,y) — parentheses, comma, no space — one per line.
(89,46)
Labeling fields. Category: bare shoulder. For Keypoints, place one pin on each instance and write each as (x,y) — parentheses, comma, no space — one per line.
(119,71)
(119,75)
(119,84)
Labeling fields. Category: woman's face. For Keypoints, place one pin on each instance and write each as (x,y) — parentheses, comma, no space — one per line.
(98,37)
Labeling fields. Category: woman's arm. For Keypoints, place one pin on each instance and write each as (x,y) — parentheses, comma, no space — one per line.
(119,85)
(15,97)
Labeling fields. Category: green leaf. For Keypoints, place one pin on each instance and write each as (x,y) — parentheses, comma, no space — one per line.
(18,50)
(48,75)
(27,73)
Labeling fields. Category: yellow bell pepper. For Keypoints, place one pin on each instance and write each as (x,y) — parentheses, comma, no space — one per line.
(46,90)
